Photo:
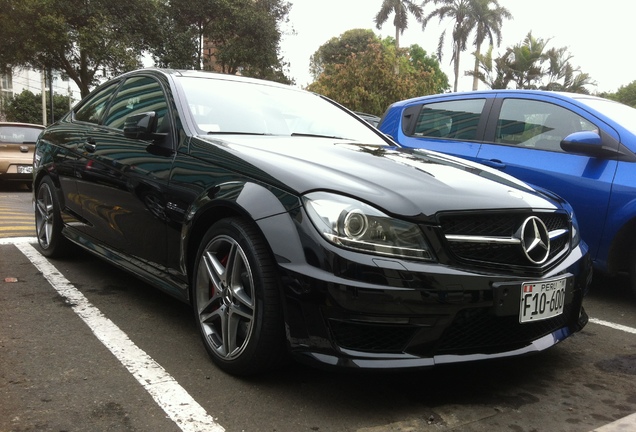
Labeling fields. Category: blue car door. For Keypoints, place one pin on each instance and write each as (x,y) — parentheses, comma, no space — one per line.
(523,139)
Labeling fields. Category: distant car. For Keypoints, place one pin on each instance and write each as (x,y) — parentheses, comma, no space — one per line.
(291,225)
(581,147)
(17,141)
(373,120)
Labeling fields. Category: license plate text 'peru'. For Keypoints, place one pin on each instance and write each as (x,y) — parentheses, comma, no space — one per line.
(542,300)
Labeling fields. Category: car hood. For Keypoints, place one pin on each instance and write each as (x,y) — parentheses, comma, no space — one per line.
(406,182)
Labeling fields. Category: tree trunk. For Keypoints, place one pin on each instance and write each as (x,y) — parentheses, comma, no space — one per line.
(456,68)
(476,68)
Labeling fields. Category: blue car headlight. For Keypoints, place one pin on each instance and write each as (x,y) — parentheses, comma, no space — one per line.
(349,223)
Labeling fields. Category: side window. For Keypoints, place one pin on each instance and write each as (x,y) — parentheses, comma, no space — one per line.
(537,124)
(452,119)
(92,110)
(138,95)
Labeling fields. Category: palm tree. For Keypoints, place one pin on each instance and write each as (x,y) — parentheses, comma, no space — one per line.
(487,21)
(525,61)
(562,76)
(401,9)
(458,11)
(494,72)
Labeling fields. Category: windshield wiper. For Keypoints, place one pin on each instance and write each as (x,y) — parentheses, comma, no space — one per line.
(317,136)
(235,133)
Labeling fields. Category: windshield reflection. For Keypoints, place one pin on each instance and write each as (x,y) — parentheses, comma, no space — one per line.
(221,106)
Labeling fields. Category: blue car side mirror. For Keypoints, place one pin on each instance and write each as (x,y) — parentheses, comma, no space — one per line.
(587,143)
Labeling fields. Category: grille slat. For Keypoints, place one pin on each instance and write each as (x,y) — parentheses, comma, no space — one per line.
(504,226)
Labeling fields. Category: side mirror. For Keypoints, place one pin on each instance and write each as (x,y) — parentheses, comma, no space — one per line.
(140,126)
(587,143)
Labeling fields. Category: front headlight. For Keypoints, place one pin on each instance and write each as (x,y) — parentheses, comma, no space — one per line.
(350,223)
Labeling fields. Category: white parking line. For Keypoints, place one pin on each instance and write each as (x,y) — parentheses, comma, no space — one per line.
(613,325)
(163,388)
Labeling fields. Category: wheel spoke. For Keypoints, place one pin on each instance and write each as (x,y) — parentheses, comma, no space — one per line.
(240,281)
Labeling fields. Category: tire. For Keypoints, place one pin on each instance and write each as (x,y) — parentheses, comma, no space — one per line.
(236,299)
(48,221)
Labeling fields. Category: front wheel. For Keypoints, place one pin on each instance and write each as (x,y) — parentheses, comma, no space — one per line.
(236,299)
(48,221)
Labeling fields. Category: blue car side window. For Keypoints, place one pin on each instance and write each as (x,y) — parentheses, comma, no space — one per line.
(454,119)
(536,124)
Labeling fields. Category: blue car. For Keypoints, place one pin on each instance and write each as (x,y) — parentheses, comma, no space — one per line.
(581,147)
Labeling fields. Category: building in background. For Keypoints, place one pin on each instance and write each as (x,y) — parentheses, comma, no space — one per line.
(15,81)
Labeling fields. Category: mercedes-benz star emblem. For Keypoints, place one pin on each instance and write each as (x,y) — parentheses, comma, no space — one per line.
(535,240)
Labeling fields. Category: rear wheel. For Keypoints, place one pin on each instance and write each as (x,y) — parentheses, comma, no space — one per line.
(48,220)
(236,299)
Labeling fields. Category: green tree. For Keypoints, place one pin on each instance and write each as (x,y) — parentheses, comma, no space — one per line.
(77,37)
(400,9)
(530,65)
(337,49)
(229,36)
(488,17)
(26,107)
(625,94)
(365,80)
(421,61)
(494,72)
(525,61)
(561,75)
(249,41)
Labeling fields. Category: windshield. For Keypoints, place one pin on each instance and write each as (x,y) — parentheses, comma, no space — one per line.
(620,113)
(225,107)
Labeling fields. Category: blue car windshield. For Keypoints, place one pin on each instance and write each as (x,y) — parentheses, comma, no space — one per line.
(225,106)
(620,113)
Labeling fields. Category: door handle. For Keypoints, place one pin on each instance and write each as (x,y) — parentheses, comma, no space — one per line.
(90,145)
(493,163)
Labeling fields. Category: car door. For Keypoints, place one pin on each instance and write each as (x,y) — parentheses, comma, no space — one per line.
(449,125)
(523,140)
(68,155)
(123,180)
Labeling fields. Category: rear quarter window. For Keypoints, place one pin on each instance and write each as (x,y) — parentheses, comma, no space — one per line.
(450,119)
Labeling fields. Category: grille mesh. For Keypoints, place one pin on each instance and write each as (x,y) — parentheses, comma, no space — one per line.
(478,330)
(371,337)
(500,225)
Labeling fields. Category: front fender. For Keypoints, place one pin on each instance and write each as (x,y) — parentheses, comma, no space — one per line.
(249,200)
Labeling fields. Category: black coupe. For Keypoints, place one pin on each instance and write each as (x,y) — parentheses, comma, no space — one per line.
(293,226)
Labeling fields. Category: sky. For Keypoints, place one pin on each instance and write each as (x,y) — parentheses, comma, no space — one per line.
(598,34)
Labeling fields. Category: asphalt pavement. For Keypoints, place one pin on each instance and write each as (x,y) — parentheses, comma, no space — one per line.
(84,347)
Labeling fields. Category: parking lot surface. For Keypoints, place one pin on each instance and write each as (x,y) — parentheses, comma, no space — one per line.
(56,373)
(84,346)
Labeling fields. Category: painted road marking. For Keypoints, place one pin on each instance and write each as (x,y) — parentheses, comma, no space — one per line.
(164,389)
(613,325)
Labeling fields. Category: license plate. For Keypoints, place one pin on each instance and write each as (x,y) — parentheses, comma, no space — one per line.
(25,169)
(542,300)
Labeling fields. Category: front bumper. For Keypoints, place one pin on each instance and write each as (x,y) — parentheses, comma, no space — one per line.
(419,315)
